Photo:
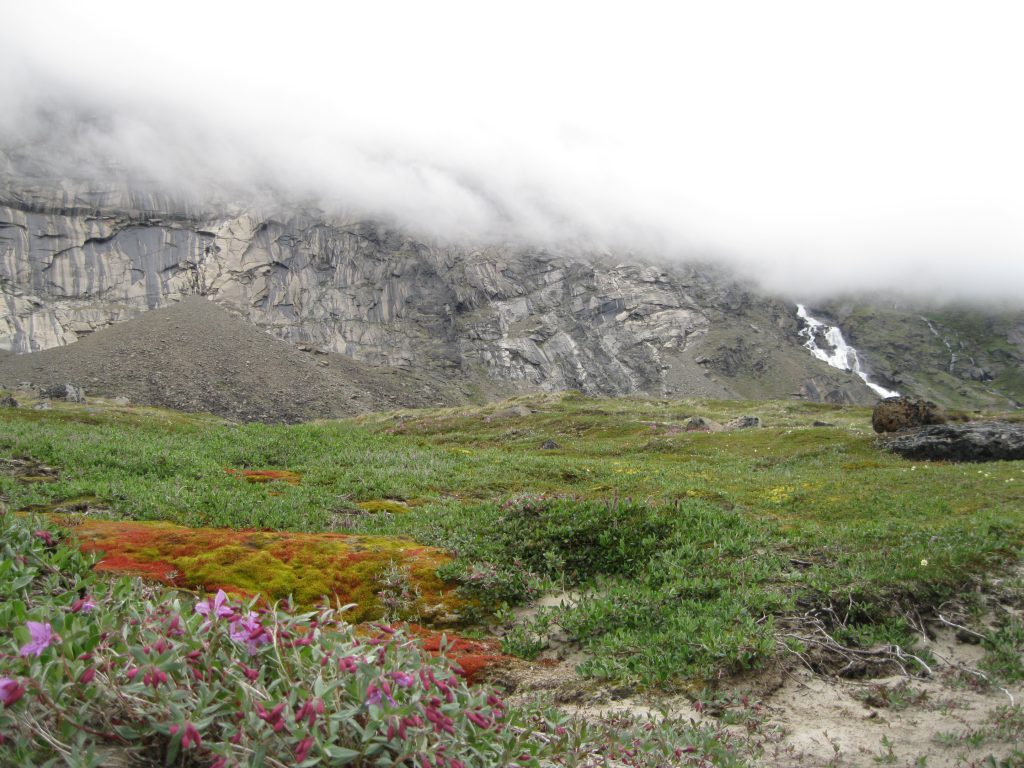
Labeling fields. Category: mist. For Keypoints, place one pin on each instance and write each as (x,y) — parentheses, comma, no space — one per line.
(816,148)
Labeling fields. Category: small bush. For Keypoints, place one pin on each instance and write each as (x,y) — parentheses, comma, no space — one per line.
(579,539)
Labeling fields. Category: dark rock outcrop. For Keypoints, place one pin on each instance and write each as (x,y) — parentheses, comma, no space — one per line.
(69,392)
(976,441)
(898,413)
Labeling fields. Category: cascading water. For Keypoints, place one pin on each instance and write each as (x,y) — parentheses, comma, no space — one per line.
(842,356)
(952,354)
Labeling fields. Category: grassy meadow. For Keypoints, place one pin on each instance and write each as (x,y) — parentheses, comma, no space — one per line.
(689,555)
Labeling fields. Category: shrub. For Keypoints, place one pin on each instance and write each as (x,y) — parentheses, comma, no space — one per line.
(577,538)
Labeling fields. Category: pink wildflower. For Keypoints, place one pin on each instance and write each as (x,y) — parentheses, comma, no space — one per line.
(154,677)
(191,736)
(83,605)
(404,679)
(10,691)
(250,632)
(217,607)
(252,675)
(302,749)
(375,693)
(273,718)
(42,637)
(46,536)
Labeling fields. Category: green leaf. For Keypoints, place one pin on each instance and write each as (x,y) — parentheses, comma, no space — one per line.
(341,755)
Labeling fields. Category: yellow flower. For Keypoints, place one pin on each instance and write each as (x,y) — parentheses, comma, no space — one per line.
(924,563)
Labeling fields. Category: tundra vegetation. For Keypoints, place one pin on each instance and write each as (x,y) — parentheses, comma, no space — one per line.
(690,557)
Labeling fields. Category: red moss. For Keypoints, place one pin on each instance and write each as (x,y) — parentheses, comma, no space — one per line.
(267,475)
(157,570)
(473,657)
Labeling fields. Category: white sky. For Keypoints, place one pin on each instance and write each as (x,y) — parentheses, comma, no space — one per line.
(820,146)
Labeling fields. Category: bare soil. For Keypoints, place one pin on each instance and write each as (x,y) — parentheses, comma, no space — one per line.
(789,715)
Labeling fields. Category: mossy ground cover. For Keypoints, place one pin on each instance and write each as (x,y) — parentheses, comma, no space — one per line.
(688,548)
(275,565)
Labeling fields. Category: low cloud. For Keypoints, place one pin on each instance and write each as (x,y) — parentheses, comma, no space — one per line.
(817,150)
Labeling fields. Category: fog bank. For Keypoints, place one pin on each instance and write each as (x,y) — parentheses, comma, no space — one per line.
(819,149)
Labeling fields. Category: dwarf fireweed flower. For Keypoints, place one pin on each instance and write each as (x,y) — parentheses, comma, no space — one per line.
(215,608)
(403,679)
(190,737)
(303,747)
(42,635)
(154,678)
(375,693)
(10,691)
(46,536)
(83,605)
(250,632)
(252,675)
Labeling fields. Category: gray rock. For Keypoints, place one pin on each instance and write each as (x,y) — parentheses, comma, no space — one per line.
(742,422)
(549,445)
(8,402)
(975,441)
(515,412)
(68,392)
(822,424)
(700,424)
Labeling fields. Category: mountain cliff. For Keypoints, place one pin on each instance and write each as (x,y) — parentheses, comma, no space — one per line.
(78,255)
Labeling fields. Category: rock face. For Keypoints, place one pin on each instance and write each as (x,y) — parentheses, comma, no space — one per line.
(977,441)
(898,413)
(76,256)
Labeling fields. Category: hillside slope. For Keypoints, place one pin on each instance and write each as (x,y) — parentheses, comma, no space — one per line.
(195,356)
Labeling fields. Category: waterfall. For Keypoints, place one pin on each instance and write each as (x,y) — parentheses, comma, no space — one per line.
(842,356)
(952,354)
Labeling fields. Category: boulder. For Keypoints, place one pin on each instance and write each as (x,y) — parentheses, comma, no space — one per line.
(549,445)
(8,402)
(68,392)
(700,424)
(742,422)
(514,412)
(898,413)
(976,441)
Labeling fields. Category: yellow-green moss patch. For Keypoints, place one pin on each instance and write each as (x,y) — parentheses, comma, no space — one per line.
(275,565)
(384,505)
